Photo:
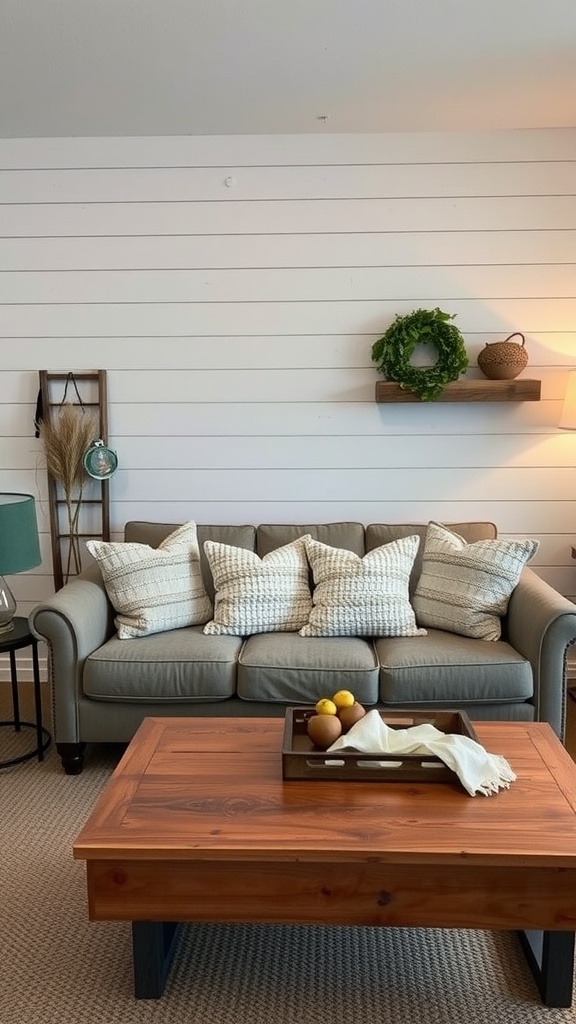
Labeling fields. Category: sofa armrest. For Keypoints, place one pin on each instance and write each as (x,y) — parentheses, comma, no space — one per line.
(541,627)
(75,621)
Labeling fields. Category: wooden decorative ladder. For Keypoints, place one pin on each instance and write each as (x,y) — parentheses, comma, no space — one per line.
(52,389)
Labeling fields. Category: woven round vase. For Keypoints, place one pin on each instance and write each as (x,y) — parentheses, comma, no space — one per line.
(503,360)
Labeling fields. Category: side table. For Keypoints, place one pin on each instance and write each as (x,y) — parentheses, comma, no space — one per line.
(19,637)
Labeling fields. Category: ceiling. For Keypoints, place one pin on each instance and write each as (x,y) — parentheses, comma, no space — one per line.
(189,67)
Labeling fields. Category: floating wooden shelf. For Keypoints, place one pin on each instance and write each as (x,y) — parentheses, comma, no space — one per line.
(518,390)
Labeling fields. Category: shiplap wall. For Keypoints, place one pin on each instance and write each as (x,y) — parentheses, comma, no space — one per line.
(233,287)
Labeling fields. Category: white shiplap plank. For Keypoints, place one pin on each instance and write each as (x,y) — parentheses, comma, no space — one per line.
(191,353)
(233,184)
(517,517)
(183,420)
(30,589)
(289,284)
(25,481)
(328,418)
(419,452)
(156,320)
(461,484)
(233,352)
(341,384)
(317,486)
(354,249)
(291,150)
(507,213)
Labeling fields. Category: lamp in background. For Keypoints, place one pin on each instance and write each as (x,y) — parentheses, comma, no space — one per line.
(19,548)
(568,414)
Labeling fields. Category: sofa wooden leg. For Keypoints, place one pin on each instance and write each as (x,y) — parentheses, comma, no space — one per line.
(72,757)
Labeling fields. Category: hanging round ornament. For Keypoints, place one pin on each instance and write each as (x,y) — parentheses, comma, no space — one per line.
(100,462)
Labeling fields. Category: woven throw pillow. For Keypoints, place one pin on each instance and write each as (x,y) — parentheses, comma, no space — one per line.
(366,596)
(258,595)
(465,588)
(154,589)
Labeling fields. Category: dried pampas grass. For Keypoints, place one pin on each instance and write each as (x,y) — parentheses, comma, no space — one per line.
(66,436)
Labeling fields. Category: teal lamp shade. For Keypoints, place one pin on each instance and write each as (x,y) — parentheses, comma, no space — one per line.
(19,547)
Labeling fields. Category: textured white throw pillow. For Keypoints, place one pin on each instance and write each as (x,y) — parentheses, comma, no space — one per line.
(154,589)
(465,588)
(258,595)
(366,596)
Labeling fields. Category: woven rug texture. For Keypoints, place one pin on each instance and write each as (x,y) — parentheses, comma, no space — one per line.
(58,968)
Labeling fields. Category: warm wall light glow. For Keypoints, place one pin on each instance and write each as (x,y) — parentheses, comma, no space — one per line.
(568,415)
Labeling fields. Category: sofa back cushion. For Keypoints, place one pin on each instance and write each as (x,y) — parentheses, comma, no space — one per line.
(267,537)
(337,535)
(154,533)
(382,533)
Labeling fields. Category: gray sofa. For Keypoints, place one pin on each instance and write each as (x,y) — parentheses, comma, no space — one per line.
(103,687)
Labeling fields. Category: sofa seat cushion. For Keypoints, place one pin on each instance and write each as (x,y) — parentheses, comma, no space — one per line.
(447,670)
(179,665)
(289,669)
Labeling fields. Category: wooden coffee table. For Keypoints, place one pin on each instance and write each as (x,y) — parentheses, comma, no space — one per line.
(197,824)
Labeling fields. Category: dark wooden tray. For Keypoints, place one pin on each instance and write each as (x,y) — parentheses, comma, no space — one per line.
(302,760)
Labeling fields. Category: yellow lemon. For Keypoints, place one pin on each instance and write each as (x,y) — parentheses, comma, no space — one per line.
(325,706)
(343,699)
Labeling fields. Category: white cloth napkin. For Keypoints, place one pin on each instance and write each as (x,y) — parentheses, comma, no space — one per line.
(478,771)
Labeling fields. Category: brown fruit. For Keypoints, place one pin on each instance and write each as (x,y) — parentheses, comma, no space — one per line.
(323,730)
(349,716)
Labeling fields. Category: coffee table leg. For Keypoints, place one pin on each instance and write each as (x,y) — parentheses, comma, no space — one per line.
(550,956)
(153,944)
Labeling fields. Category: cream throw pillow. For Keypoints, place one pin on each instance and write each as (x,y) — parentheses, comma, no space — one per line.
(154,589)
(366,596)
(465,588)
(258,595)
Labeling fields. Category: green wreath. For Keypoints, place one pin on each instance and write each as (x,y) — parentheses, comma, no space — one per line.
(394,350)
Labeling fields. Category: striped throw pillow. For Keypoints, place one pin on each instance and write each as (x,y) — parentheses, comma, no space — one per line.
(366,596)
(258,595)
(154,589)
(465,588)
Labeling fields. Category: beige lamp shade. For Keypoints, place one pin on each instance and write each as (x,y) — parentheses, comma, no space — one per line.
(568,415)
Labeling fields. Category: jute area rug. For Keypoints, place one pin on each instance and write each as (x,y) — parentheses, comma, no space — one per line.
(58,968)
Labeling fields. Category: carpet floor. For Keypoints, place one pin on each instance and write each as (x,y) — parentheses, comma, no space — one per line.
(58,968)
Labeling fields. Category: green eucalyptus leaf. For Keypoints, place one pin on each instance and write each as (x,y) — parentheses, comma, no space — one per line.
(393,351)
